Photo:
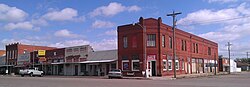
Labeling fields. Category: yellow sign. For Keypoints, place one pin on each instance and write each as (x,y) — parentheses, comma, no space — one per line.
(41,52)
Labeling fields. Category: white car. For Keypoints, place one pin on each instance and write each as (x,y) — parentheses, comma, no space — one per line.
(115,73)
(31,72)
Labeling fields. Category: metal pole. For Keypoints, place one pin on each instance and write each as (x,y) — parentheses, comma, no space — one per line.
(174,53)
(214,64)
(247,55)
(145,49)
(228,44)
(7,61)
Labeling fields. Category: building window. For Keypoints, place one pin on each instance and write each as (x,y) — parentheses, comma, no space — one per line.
(164,62)
(25,51)
(193,47)
(209,50)
(125,42)
(135,65)
(197,48)
(163,41)
(151,40)
(185,42)
(177,64)
(169,64)
(125,65)
(134,42)
(170,42)
(183,65)
(183,45)
(54,53)
(113,66)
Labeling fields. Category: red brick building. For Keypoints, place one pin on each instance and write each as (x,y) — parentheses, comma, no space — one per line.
(193,53)
(2,52)
(15,49)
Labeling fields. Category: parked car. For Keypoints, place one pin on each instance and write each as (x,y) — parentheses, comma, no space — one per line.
(31,72)
(115,73)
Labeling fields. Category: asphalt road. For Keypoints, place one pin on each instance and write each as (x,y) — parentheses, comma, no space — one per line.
(235,80)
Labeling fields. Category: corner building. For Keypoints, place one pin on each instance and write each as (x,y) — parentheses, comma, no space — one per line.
(151,41)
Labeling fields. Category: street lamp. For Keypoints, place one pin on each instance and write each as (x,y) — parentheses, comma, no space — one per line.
(145,50)
(174,24)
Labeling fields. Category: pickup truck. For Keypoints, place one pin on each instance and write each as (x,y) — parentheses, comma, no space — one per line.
(31,72)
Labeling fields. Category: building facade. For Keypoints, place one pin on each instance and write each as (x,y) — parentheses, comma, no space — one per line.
(151,41)
(15,50)
(2,52)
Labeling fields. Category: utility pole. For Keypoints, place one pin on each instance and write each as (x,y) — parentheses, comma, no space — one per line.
(145,48)
(174,24)
(214,64)
(247,55)
(228,47)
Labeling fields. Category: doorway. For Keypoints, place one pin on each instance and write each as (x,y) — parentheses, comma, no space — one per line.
(153,63)
(76,70)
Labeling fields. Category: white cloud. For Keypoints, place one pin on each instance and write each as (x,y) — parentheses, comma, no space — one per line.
(207,16)
(221,1)
(105,44)
(39,22)
(67,14)
(111,32)
(20,25)
(65,33)
(224,16)
(235,30)
(70,43)
(220,36)
(23,41)
(11,14)
(102,24)
(112,9)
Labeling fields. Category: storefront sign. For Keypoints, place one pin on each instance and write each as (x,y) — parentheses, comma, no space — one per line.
(151,57)
(41,52)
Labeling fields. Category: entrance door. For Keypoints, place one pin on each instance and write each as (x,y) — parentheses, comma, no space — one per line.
(107,69)
(76,70)
(153,68)
(56,70)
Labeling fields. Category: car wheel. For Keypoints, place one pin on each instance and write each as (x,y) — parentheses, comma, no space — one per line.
(22,75)
(31,74)
(41,75)
(110,77)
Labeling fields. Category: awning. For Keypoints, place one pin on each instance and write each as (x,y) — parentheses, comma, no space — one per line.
(100,61)
(5,65)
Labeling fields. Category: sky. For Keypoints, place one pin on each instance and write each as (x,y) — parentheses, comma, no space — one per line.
(64,23)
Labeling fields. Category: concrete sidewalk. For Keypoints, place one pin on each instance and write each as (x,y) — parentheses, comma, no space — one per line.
(178,76)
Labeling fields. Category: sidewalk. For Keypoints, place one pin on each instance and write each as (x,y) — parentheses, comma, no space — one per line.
(188,76)
(177,76)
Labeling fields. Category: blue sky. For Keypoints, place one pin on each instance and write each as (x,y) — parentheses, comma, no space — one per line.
(64,23)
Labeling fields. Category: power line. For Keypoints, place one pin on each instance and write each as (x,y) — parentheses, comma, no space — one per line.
(215,21)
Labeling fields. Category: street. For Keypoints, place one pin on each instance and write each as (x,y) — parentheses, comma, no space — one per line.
(234,80)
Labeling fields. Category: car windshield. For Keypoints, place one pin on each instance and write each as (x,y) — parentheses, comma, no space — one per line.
(116,70)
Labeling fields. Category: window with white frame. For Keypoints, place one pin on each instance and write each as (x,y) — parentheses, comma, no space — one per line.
(125,65)
(183,65)
(135,65)
(125,42)
(151,40)
(177,64)
(163,41)
(164,62)
(169,64)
